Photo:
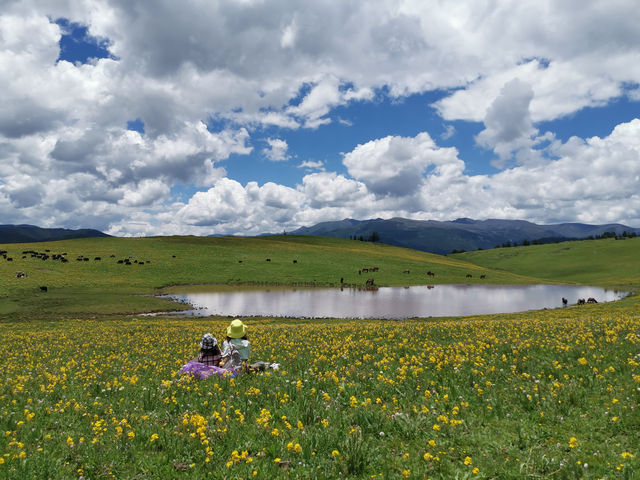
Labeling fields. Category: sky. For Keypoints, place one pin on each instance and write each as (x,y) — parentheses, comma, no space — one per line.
(241,117)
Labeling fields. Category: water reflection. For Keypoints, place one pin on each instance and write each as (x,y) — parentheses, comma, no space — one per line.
(391,302)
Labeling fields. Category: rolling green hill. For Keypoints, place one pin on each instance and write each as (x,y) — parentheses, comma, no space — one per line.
(606,262)
(104,276)
(129,270)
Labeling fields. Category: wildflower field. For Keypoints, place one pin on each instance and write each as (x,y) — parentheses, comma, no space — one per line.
(549,394)
(87,392)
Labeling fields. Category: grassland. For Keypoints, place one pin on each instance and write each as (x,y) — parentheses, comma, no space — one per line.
(107,287)
(607,262)
(548,394)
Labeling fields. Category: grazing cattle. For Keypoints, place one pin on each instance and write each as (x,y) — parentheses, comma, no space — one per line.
(469,275)
(268,259)
(365,270)
(564,301)
(581,301)
(341,280)
(295,261)
(96,259)
(369,282)
(591,300)
(21,275)
(482,277)
(173,256)
(406,271)
(374,269)
(43,288)
(9,259)
(431,274)
(120,261)
(112,256)
(239,261)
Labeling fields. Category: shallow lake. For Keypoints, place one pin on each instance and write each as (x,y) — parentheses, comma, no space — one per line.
(390,302)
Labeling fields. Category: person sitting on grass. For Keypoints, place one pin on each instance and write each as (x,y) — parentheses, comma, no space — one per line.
(236,349)
(209,351)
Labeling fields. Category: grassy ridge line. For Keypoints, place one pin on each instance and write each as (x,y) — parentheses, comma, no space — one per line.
(607,263)
(104,286)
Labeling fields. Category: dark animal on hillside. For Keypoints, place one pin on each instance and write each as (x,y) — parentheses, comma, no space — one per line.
(9,259)
(482,277)
(469,275)
(591,300)
(374,269)
(112,256)
(85,259)
(369,282)
(581,301)
(120,261)
(406,271)
(359,272)
(173,256)
(239,261)
(365,270)
(564,301)
(97,258)
(341,279)
(295,261)
(21,275)
(268,259)
(43,288)
(431,274)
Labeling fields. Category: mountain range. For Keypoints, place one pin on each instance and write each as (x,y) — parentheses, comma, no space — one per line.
(31,233)
(461,234)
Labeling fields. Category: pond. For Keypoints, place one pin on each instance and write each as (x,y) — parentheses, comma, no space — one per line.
(389,302)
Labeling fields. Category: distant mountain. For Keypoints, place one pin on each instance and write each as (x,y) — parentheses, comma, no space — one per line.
(461,234)
(30,233)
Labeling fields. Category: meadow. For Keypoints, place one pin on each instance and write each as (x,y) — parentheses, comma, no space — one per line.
(103,287)
(545,394)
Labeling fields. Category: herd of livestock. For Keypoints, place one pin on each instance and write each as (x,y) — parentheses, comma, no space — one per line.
(62,257)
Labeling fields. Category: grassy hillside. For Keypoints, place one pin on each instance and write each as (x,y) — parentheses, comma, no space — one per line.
(105,286)
(608,263)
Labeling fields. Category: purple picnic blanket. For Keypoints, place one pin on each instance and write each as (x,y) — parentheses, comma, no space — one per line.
(202,371)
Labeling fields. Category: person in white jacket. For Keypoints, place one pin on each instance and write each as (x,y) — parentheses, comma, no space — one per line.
(236,349)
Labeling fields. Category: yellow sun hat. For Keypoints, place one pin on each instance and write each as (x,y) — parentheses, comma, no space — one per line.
(236,329)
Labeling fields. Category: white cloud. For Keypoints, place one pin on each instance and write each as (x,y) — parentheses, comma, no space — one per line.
(395,165)
(312,165)
(508,122)
(276,151)
(66,158)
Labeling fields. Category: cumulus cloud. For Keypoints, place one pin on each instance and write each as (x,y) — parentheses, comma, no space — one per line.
(276,151)
(508,122)
(396,165)
(260,69)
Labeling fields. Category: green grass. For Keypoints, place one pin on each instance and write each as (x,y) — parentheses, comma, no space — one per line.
(87,392)
(607,263)
(538,395)
(104,286)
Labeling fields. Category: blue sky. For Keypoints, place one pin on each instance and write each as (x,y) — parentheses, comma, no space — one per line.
(169,119)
